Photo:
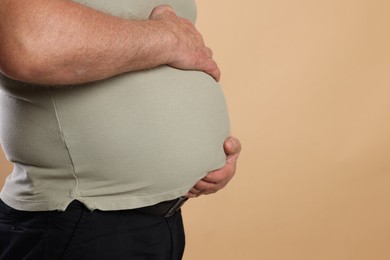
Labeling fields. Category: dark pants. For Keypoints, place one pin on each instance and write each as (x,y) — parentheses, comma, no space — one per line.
(78,233)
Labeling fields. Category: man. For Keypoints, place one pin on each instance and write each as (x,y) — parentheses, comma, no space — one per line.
(111,115)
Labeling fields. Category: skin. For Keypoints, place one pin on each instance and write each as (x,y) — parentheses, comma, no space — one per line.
(62,43)
(218,179)
(57,42)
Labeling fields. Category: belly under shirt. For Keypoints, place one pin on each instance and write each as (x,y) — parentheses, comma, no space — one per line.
(126,142)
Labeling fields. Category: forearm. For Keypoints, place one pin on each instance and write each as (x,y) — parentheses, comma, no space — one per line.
(60,42)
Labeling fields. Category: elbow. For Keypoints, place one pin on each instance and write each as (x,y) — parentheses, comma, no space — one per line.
(16,70)
(37,66)
(21,64)
(22,49)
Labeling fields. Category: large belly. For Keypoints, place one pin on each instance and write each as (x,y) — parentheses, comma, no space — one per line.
(150,131)
(133,137)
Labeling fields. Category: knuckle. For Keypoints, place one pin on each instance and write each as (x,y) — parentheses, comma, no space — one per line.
(165,8)
(188,22)
(161,11)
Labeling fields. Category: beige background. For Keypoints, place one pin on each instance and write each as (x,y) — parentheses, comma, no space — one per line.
(308,88)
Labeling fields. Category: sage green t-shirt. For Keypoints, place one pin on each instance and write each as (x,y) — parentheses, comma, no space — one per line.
(125,142)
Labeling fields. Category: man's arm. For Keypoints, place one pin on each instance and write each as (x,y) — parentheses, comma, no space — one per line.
(218,179)
(59,42)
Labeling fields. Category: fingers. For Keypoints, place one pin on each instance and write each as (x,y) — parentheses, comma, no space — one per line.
(193,193)
(220,175)
(218,179)
(211,68)
(214,181)
(204,188)
(209,52)
(188,51)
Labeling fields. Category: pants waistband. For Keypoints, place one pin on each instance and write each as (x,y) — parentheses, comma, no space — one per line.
(166,208)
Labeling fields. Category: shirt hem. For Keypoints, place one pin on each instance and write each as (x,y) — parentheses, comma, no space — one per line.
(107,203)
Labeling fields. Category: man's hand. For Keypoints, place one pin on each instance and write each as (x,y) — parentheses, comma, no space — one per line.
(58,43)
(218,179)
(190,52)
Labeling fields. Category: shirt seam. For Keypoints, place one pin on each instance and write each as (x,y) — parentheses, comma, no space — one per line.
(75,191)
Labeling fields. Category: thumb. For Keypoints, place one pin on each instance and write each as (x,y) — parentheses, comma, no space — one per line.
(232,146)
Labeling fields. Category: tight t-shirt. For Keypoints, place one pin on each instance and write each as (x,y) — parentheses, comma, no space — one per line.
(125,142)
